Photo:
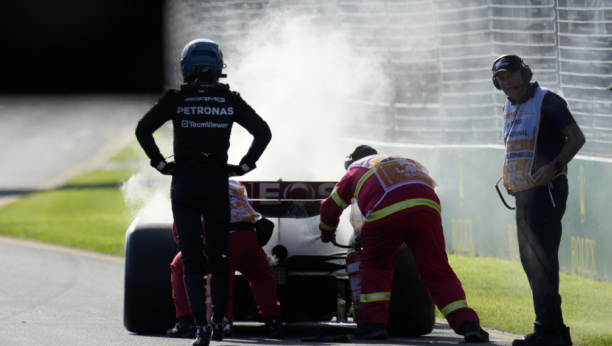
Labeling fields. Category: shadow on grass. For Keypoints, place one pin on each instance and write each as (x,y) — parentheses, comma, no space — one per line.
(15,192)
(89,186)
(23,192)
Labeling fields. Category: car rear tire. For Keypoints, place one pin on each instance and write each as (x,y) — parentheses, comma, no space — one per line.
(148,307)
(411,310)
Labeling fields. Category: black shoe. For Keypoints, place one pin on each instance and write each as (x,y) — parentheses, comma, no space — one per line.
(539,338)
(184,328)
(371,331)
(274,327)
(472,332)
(202,336)
(565,336)
(220,329)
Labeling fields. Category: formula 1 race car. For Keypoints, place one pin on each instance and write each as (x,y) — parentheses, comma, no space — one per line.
(312,280)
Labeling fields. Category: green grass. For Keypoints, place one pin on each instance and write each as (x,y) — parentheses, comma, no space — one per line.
(89,213)
(498,290)
(131,152)
(101,178)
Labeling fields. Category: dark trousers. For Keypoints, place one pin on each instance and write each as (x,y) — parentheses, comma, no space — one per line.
(201,190)
(539,235)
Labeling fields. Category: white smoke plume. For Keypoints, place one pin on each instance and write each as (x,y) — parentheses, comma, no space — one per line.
(147,199)
(300,75)
(147,192)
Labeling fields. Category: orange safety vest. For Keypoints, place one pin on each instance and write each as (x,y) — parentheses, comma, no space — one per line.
(393,171)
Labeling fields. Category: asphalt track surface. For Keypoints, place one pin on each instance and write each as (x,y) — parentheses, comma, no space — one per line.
(46,140)
(52,295)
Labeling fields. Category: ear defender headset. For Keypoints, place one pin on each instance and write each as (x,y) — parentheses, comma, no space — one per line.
(526,72)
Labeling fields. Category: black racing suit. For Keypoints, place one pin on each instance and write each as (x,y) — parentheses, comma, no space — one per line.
(202,119)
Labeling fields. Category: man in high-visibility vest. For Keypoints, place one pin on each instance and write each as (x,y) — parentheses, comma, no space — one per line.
(541,137)
(398,200)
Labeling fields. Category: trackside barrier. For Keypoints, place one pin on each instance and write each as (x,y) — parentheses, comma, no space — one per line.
(439,55)
(477,223)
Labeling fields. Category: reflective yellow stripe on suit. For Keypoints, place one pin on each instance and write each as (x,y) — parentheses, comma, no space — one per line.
(361,181)
(375,297)
(454,306)
(326,227)
(338,200)
(379,214)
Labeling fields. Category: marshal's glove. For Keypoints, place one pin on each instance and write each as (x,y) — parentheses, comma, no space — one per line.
(241,169)
(327,239)
(264,229)
(165,168)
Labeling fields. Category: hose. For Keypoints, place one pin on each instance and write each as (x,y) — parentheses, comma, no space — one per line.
(341,246)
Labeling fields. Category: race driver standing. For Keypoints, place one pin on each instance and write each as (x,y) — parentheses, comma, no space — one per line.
(202,113)
(248,233)
(397,197)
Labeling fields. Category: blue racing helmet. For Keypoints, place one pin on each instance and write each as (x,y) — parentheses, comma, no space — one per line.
(199,54)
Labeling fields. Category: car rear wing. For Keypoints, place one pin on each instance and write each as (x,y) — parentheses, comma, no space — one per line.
(288,199)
